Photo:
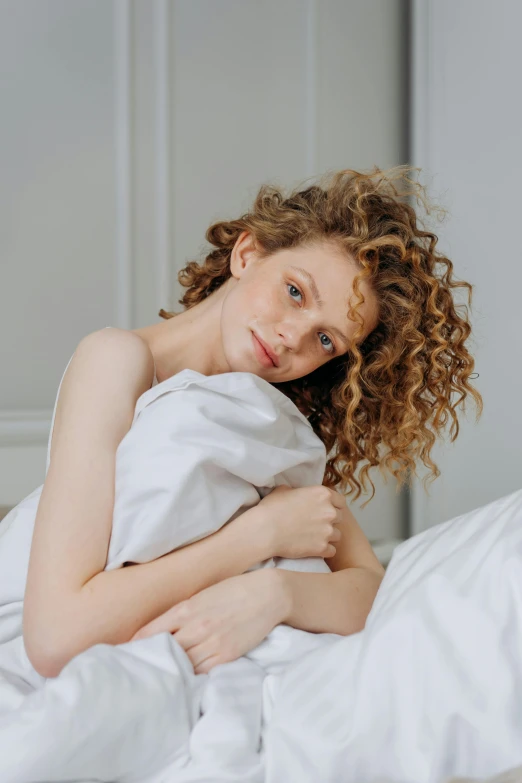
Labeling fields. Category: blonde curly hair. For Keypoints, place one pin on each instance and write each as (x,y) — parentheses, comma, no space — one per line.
(385,401)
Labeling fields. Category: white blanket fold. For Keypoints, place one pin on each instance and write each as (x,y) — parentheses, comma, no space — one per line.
(431,690)
(200,451)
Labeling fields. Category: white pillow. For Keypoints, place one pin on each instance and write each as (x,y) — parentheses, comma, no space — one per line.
(200,451)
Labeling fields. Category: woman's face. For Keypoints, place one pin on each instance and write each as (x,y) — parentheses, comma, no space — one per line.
(296,302)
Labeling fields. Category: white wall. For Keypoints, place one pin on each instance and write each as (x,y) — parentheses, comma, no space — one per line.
(128,127)
(467,116)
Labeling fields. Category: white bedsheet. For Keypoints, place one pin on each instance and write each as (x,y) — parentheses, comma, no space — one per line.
(431,689)
(200,450)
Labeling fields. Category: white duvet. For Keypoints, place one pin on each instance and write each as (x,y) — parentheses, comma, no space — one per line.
(431,688)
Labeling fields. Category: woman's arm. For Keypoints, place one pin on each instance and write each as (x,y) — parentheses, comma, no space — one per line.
(228,619)
(70,602)
(338,602)
(108,372)
(113,605)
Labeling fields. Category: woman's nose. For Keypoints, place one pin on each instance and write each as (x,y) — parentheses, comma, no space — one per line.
(294,335)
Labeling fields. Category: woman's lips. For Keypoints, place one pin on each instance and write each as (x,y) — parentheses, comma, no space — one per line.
(261,354)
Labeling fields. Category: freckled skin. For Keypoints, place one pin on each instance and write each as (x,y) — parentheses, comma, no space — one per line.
(267,296)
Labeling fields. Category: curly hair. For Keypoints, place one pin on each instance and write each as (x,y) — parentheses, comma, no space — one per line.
(385,401)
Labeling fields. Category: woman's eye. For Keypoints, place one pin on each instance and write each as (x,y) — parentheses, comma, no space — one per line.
(289,285)
(330,349)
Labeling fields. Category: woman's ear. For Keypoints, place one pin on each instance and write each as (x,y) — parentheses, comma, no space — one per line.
(243,253)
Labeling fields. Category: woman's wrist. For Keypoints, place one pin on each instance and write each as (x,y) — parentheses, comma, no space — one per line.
(278,592)
(254,527)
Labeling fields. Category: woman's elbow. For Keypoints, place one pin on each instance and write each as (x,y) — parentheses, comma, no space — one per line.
(44,663)
(43,649)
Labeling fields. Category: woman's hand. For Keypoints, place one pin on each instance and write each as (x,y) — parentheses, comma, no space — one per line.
(302,522)
(225,620)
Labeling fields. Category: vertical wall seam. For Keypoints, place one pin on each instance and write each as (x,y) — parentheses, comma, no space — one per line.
(311,106)
(420,140)
(123,164)
(163,155)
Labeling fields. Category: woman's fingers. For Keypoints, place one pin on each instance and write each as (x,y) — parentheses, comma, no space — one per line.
(190,635)
(202,658)
(168,621)
(338,500)
(207,665)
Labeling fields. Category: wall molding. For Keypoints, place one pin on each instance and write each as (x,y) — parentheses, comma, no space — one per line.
(420,148)
(30,428)
(162,41)
(124,272)
(312,59)
(420,84)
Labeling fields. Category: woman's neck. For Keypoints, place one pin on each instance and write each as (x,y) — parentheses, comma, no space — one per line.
(189,340)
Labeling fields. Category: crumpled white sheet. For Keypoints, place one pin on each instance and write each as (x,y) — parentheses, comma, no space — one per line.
(430,691)
(200,450)
(432,688)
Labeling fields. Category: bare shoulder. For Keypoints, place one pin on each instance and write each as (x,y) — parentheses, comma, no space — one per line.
(124,339)
(118,351)
(109,370)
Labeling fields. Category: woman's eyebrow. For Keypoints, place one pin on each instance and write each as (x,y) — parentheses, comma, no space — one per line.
(315,293)
(311,282)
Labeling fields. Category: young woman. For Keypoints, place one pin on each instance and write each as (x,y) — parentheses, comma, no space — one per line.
(339,298)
